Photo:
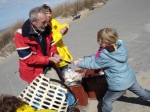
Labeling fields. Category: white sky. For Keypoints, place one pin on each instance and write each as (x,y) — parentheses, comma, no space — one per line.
(13,10)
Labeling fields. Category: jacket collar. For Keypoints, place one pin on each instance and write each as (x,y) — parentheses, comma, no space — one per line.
(28,31)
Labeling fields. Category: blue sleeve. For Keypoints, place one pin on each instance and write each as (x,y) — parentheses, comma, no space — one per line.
(94,64)
(89,57)
(24,52)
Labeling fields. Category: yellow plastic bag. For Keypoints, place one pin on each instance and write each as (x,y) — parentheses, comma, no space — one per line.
(27,108)
(46,110)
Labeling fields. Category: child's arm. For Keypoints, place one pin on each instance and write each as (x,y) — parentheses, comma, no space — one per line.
(89,57)
(93,64)
(77,60)
(58,30)
(88,64)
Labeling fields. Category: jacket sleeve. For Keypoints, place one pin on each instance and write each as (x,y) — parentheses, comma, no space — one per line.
(25,53)
(94,63)
(56,27)
(53,49)
(89,57)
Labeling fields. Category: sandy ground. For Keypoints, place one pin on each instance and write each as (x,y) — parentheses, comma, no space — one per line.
(84,13)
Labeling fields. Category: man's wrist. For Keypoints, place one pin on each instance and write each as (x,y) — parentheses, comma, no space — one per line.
(52,54)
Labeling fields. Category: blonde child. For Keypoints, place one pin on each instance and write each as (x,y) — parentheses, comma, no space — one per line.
(113,59)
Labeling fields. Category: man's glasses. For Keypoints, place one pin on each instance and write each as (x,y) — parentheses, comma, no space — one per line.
(44,22)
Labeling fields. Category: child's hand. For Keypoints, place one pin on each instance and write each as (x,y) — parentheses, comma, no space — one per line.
(79,59)
(64,30)
(76,61)
(67,26)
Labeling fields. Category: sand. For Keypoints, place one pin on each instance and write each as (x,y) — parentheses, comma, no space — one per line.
(84,13)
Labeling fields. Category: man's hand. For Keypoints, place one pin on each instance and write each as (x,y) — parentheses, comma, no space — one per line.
(55,58)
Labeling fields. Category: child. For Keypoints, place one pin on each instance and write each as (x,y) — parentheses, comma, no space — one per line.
(10,103)
(119,75)
(59,30)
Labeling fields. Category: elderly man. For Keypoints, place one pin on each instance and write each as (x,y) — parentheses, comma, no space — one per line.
(35,47)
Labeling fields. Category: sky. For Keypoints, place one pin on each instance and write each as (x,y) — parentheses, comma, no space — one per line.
(13,10)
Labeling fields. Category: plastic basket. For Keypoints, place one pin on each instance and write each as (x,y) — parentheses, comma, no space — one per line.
(42,94)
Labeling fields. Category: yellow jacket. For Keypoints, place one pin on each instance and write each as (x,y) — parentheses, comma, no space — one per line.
(27,108)
(57,37)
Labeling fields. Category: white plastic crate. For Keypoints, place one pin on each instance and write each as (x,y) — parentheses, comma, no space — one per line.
(42,94)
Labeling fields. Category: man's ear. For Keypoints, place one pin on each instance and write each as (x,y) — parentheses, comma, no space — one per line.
(32,22)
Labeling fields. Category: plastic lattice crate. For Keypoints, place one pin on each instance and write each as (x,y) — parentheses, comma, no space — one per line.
(42,94)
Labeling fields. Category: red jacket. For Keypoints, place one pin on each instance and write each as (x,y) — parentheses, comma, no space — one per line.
(31,58)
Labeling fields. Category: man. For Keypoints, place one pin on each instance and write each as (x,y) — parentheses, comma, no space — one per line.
(35,46)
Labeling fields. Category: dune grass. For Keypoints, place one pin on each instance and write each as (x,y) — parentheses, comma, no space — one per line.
(64,9)
(6,38)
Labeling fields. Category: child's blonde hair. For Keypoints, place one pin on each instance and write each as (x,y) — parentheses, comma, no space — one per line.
(109,36)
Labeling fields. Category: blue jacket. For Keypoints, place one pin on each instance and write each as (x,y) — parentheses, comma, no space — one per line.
(118,73)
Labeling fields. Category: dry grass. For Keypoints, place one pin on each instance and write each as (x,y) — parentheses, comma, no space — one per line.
(6,38)
(68,8)
(65,9)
